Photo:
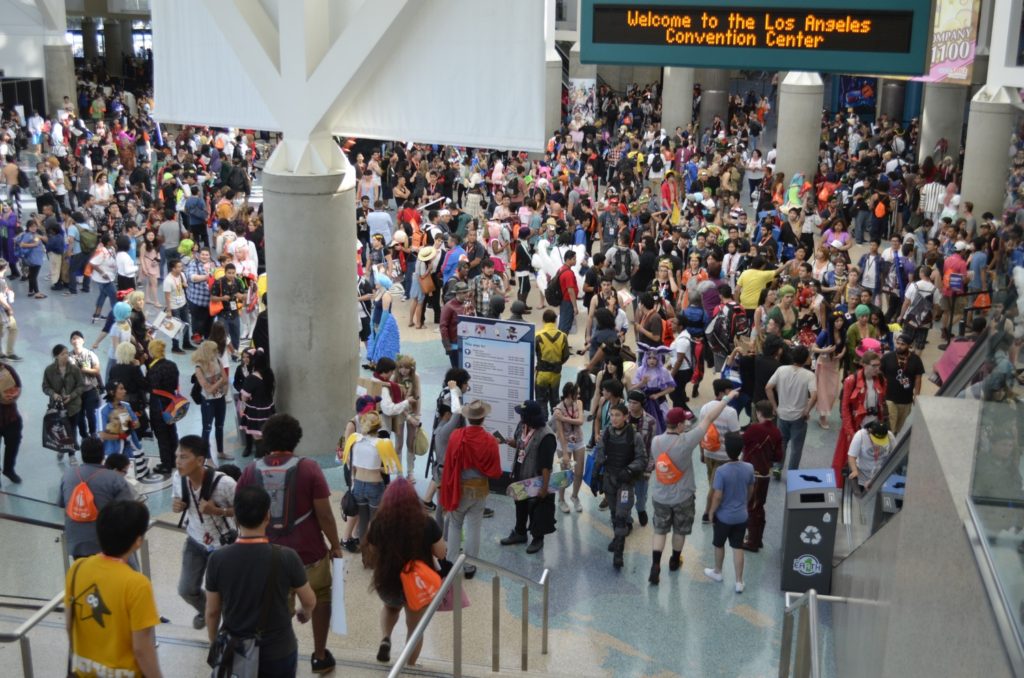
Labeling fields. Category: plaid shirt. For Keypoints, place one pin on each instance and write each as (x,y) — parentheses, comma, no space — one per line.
(476,286)
(197,293)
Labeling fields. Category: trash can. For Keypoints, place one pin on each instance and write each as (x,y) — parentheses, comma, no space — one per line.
(892,493)
(809,529)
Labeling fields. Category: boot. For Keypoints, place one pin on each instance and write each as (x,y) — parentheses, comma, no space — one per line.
(620,544)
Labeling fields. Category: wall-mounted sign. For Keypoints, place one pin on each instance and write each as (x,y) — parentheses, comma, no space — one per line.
(889,36)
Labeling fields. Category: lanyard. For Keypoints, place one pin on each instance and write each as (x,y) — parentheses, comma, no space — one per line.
(252,540)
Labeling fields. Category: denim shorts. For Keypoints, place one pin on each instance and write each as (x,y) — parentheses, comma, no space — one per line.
(367,494)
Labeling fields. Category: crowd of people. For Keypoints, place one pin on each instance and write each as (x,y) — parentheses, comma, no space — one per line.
(659,262)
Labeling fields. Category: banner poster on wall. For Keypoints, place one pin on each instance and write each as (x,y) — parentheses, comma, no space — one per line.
(583,100)
(954,36)
(859,93)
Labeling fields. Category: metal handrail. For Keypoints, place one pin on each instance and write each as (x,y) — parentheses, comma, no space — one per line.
(32,521)
(20,634)
(454,583)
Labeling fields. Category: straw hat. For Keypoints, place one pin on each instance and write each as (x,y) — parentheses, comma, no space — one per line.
(427,253)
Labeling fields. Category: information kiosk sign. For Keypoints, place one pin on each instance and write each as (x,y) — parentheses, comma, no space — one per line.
(842,36)
(498,354)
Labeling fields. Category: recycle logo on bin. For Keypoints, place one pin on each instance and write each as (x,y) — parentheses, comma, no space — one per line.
(810,535)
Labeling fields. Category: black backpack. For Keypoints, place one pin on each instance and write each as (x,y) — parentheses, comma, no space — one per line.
(658,163)
(622,264)
(210,481)
(553,292)
(23,181)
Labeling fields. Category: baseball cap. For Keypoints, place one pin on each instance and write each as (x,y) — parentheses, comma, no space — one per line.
(677,415)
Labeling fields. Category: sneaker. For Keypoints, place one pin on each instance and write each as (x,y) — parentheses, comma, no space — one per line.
(536,545)
(603,506)
(13,477)
(655,576)
(643,518)
(712,575)
(431,506)
(776,472)
(562,506)
(384,651)
(179,351)
(13,357)
(576,505)
(513,538)
(95,318)
(617,561)
(469,571)
(675,563)
(488,512)
(351,545)
(739,587)
(199,621)
(326,664)
(704,519)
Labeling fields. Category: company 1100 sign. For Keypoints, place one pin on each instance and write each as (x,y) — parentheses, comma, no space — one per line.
(766,36)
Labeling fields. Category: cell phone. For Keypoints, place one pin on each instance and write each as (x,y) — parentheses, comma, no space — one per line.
(499,436)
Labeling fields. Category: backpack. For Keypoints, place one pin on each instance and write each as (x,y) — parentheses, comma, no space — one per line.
(953,282)
(920,312)
(622,264)
(728,322)
(279,482)
(177,406)
(665,471)
(553,292)
(23,181)
(88,238)
(81,506)
(210,481)
(712,440)
(658,163)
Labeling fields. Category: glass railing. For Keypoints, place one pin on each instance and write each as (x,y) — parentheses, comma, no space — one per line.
(997,486)
(32,533)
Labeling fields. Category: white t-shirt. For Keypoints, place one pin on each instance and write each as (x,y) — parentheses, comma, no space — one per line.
(869,456)
(206,530)
(794,387)
(727,422)
(684,345)
(175,286)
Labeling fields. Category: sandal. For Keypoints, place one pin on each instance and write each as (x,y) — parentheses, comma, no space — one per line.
(39,296)
(384,651)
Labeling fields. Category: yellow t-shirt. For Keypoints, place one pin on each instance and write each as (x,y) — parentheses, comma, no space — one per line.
(753,281)
(111,600)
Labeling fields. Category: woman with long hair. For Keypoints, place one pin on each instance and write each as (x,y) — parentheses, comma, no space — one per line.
(401,532)
(371,457)
(830,350)
(765,303)
(149,267)
(569,419)
(258,397)
(213,381)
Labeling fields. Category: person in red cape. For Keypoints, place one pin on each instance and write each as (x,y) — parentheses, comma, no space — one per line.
(862,402)
(470,459)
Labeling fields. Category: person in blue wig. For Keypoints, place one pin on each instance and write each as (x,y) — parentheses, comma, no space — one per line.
(384,338)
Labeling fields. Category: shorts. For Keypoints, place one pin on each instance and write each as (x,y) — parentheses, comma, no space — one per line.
(734,533)
(712,466)
(955,303)
(677,518)
(319,576)
(368,494)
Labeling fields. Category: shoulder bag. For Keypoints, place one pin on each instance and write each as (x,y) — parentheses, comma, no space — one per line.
(234,657)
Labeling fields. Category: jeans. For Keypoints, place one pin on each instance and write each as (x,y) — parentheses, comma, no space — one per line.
(75,269)
(453,356)
(234,328)
(566,314)
(367,496)
(86,418)
(200,319)
(213,410)
(168,255)
(107,290)
(194,557)
(182,314)
(640,488)
(11,436)
(793,434)
(33,279)
(283,667)
(470,513)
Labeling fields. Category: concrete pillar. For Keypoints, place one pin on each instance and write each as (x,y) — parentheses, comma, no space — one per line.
(892,96)
(314,343)
(552,74)
(714,98)
(986,161)
(59,74)
(577,69)
(127,37)
(800,99)
(90,46)
(942,118)
(112,46)
(677,98)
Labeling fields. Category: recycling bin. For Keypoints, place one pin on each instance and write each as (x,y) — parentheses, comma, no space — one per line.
(892,493)
(809,529)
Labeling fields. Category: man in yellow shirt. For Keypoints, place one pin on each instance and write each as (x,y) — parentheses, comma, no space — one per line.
(752,281)
(111,613)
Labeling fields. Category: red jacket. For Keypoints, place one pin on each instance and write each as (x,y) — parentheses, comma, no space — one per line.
(470,447)
(762,446)
(853,410)
(450,313)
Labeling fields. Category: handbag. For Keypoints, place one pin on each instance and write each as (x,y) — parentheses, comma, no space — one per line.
(176,408)
(58,434)
(421,443)
(420,583)
(592,475)
(234,657)
(197,391)
(427,285)
(349,507)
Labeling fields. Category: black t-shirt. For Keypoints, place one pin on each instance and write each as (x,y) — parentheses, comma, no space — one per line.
(222,288)
(240,573)
(645,272)
(593,278)
(900,379)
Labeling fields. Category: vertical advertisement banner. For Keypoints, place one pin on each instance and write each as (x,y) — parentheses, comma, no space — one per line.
(498,354)
(954,39)
(583,101)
